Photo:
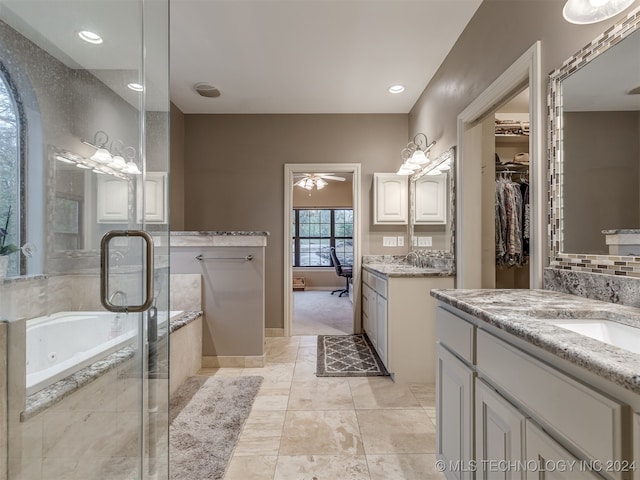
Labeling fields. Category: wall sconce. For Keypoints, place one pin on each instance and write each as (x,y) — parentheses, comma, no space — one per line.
(116,157)
(414,155)
(583,12)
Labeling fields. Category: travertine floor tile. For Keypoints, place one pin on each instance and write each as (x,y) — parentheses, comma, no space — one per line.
(424,393)
(308,341)
(321,433)
(322,467)
(307,355)
(396,431)
(251,468)
(381,392)
(261,434)
(321,394)
(405,467)
(271,398)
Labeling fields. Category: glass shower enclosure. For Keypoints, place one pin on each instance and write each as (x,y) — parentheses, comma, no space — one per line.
(84,281)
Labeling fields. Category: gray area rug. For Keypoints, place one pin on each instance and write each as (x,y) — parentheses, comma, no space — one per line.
(347,356)
(207,415)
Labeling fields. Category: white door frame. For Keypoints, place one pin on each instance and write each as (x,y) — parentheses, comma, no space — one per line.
(289,170)
(526,71)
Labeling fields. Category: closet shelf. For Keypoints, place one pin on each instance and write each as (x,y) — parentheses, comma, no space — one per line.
(508,139)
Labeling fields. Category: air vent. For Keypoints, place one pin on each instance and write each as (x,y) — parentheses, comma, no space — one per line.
(207,90)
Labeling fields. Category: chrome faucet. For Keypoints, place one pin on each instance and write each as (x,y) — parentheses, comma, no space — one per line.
(417,260)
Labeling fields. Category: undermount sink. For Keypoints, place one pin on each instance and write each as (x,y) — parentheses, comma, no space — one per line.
(617,334)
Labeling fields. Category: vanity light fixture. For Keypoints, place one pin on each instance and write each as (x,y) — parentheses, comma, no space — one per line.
(90,37)
(583,12)
(122,160)
(396,88)
(414,155)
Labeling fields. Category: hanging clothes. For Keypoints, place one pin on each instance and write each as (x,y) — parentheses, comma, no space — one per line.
(510,214)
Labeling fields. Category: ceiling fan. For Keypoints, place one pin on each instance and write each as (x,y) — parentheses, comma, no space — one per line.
(315,180)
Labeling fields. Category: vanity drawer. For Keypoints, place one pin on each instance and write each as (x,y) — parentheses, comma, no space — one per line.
(381,286)
(587,419)
(457,334)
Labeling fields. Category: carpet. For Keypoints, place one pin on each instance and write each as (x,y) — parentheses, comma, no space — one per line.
(207,415)
(317,312)
(347,356)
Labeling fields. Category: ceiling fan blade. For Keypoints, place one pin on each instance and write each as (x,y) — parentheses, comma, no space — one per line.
(332,177)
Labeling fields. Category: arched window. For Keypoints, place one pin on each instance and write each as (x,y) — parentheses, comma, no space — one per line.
(11,196)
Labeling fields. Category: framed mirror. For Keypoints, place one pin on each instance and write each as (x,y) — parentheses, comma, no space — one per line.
(432,205)
(594,155)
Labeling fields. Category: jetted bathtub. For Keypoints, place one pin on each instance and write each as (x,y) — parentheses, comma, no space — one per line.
(60,344)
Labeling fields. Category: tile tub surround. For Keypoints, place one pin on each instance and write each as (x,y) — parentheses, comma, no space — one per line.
(46,398)
(518,312)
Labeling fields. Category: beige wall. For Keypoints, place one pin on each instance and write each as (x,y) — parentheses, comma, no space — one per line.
(497,35)
(234,174)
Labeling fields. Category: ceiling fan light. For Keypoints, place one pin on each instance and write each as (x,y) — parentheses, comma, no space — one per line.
(583,12)
(320,184)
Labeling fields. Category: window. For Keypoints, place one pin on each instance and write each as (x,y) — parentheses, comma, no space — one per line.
(10,172)
(315,231)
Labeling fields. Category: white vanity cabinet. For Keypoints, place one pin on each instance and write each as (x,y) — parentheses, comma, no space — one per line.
(390,199)
(529,412)
(112,199)
(455,374)
(398,317)
(430,200)
(374,313)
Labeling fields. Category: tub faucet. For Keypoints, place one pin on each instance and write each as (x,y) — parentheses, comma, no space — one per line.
(122,294)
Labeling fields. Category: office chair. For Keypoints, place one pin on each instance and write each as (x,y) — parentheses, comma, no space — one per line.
(341,271)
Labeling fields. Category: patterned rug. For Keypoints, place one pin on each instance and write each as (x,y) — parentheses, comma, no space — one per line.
(347,356)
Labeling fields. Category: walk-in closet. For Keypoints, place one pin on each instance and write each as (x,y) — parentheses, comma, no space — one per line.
(506,196)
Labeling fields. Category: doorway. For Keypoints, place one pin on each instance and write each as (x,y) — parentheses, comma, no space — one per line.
(475,149)
(315,221)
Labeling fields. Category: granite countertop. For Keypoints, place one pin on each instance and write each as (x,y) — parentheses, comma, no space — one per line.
(219,234)
(405,270)
(520,313)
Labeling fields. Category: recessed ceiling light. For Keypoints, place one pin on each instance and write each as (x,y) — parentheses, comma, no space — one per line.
(136,87)
(90,37)
(396,89)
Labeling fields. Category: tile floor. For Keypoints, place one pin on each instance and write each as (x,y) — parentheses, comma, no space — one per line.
(302,427)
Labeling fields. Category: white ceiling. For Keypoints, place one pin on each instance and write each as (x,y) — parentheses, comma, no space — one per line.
(265,56)
(310,56)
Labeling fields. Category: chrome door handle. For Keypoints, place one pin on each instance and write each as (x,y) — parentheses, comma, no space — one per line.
(104,271)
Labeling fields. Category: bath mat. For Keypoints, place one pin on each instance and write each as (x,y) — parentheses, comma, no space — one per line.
(210,414)
(347,356)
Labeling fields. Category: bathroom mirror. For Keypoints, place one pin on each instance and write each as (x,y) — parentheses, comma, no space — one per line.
(594,148)
(431,226)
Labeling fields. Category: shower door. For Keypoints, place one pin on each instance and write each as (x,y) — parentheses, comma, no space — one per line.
(84,161)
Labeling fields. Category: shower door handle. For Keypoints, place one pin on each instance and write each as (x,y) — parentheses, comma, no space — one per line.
(104,271)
